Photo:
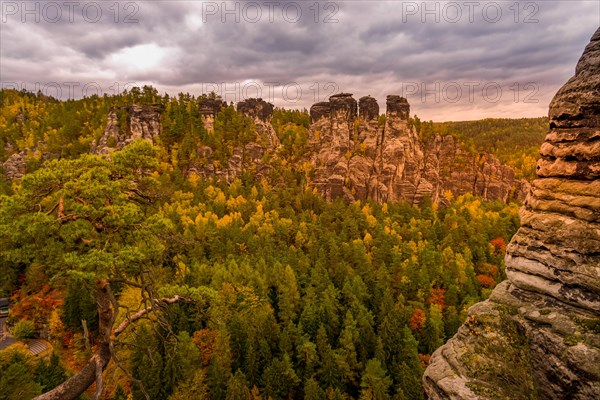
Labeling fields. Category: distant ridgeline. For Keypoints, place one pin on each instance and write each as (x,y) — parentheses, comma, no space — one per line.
(343,148)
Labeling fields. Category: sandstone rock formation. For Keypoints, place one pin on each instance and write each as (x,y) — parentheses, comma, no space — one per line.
(362,157)
(356,154)
(15,166)
(246,158)
(260,112)
(209,108)
(538,336)
(143,122)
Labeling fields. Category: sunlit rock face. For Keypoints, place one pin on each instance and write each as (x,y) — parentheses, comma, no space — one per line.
(538,336)
(209,108)
(142,121)
(357,155)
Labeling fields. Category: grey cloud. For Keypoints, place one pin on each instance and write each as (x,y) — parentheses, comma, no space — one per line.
(371,50)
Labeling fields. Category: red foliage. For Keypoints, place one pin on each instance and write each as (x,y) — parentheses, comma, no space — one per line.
(437,296)
(67,339)
(485,281)
(417,320)
(499,245)
(424,358)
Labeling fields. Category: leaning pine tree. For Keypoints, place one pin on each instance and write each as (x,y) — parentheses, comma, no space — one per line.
(92,219)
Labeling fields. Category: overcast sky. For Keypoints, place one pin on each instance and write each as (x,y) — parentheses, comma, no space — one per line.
(453,60)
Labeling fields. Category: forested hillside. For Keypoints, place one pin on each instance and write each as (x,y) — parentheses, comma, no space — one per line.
(275,292)
(516,142)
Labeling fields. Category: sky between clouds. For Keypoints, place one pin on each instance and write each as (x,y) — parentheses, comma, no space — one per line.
(453,60)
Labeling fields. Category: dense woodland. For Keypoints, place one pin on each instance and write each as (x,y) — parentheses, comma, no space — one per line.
(515,142)
(287,296)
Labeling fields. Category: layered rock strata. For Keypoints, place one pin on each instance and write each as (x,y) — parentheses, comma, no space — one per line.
(538,336)
(358,155)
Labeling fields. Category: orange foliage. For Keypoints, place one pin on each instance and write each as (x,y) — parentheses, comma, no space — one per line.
(499,245)
(485,281)
(37,306)
(417,320)
(488,269)
(205,341)
(437,296)
(424,359)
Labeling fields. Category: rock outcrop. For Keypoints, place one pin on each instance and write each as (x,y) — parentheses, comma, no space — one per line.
(142,121)
(209,108)
(249,157)
(538,336)
(15,166)
(261,113)
(357,155)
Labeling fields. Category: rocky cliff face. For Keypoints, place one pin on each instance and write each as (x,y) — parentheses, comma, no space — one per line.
(358,156)
(261,113)
(143,122)
(538,336)
(15,166)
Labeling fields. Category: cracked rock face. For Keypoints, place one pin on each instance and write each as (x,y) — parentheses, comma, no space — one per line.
(538,336)
(143,122)
(358,156)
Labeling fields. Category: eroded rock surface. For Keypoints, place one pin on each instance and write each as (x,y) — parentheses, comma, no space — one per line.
(261,113)
(15,166)
(140,122)
(538,336)
(385,160)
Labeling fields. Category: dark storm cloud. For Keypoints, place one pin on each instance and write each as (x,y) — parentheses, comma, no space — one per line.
(373,48)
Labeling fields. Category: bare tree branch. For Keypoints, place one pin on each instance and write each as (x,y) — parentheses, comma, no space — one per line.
(130,319)
(92,371)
